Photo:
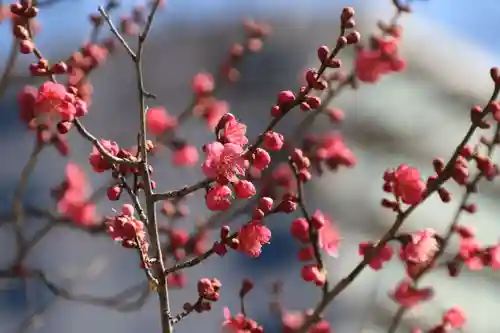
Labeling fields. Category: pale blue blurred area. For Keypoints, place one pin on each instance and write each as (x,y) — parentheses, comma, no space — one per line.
(399,120)
(471,19)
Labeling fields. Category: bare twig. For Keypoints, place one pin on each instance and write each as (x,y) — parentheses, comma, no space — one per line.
(96,143)
(115,32)
(9,66)
(19,193)
(313,232)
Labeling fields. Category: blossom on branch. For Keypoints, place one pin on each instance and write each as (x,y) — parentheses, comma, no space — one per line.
(224,161)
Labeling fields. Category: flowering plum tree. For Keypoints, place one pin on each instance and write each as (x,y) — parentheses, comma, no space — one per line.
(237,168)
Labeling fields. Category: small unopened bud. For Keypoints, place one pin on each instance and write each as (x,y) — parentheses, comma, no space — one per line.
(304,106)
(114,192)
(246,287)
(21,32)
(285,97)
(470,208)
(17,9)
(347,14)
(63,127)
(353,37)
(495,74)
(444,195)
(349,24)
(342,41)
(59,68)
(323,53)
(334,63)
(276,111)
(454,268)
(224,232)
(313,101)
(26,46)
(226,118)
(31,12)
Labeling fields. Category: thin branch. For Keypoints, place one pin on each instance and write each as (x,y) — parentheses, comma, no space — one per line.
(108,302)
(149,23)
(313,232)
(117,34)
(198,259)
(110,5)
(179,317)
(9,66)
(193,261)
(29,245)
(19,192)
(182,192)
(134,198)
(96,143)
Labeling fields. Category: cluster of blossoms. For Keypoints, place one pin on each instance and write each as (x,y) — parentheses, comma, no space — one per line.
(182,245)
(380,59)
(226,160)
(329,150)
(209,108)
(24,26)
(51,104)
(130,25)
(174,209)
(405,184)
(452,320)
(45,135)
(255,33)
(408,295)
(126,229)
(239,324)
(83,62)
(251,236)
(160,121)
(101,163)
(208,292)
(328,240)
(472,254)
(293,320)
(72,200)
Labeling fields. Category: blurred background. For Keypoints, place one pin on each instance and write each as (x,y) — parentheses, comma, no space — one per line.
(407,117)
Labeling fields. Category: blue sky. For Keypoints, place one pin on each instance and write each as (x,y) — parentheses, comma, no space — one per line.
(476,20)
